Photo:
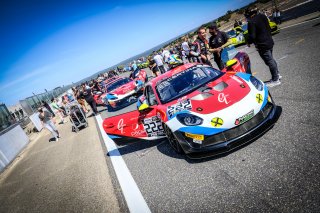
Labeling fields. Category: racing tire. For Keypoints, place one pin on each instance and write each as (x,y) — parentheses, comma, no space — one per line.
(173,141)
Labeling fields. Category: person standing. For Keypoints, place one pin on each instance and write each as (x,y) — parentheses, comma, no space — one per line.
(217,42)
(186,48)
(57,110)
(153,67)
(199,49)
(46,120)
(86,93)
(47,106)
(259,33)
(159,61)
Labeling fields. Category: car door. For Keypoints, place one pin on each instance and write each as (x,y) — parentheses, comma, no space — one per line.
(135,125)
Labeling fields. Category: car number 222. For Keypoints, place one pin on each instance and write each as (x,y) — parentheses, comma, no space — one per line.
(153,126)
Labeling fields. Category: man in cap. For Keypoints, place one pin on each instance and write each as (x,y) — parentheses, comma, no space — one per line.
(217,42)
(259,33)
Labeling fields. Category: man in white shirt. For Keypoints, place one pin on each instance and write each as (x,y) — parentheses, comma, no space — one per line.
(186,48)
(159,61)
(165,55)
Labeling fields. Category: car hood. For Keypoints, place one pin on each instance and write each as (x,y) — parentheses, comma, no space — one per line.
(124,88)
(211,97)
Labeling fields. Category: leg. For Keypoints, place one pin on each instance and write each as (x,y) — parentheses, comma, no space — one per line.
(93,106)
(268,59)
(219,62)
(53,131)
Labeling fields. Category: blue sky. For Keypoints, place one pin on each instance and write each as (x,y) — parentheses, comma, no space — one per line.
(50,43)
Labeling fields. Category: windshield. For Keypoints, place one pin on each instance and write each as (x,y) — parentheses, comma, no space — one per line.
(117,84)
(184,82)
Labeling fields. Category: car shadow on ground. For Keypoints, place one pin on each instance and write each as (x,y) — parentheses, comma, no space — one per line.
(134,147)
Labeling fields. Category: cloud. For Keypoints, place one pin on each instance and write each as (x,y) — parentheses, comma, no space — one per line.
(25,77)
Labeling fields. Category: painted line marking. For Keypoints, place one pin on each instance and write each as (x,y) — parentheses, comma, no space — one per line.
(283,57)
(297,5)
(130,190)
(299,41)
(299,23)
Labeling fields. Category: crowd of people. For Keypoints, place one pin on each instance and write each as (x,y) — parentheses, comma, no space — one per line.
(202,48)
(209,45)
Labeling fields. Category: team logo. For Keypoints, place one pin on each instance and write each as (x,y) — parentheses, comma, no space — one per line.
(216,122)
(223,98)
(244,118)
(259,98)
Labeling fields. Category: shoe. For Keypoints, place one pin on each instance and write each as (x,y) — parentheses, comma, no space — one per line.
(57,139)
(279,77)
(273,83)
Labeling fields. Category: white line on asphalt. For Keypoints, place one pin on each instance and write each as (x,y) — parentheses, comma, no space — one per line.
(281,28)
(131,192)
(297,5)
(283,57)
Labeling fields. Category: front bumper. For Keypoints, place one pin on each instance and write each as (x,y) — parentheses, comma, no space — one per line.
(230,139)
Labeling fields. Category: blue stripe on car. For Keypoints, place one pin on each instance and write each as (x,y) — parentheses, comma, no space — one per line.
(109,96)
(202,130)
(113,136)
(244,76)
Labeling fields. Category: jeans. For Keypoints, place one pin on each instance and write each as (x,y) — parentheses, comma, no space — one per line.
(218,61)
(93,106)
(268,59)
(51,127)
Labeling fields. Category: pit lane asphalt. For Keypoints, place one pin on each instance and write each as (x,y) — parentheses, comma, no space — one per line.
(279,172)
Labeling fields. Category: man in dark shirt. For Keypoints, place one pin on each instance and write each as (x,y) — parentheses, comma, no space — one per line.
(217,42)
(259,33)
(86,93)
(199,48)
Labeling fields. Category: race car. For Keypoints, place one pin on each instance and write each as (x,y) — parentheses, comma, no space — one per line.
(143,64)
(138,74)
(119,92)
(239,34)
(200,110)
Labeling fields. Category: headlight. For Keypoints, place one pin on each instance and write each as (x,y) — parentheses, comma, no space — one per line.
(189,119)
(257,83)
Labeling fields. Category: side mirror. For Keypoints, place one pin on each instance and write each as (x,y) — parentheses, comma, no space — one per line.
(143,107)
(231,62)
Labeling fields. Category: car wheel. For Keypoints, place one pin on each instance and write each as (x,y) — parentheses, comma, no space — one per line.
(172,140)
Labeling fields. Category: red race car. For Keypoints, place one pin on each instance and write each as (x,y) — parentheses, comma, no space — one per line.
(119,92)
(202,111)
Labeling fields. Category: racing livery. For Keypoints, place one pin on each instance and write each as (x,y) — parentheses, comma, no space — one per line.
(202,111)
(120,92)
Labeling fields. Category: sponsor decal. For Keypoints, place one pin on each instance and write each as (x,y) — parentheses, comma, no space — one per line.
(153,126)
(216,122)
(138,133)
(244,118)
(223,98)
(259,98)
(120,125)
(180,106)
(194,136)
